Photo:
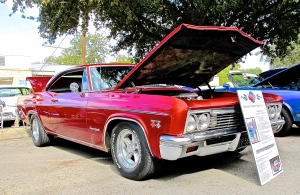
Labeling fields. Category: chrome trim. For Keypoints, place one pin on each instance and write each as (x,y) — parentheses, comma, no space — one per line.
(97,108)
(195,137)
(80,141)
(225,122)
(128,110)
(175,147)
(125,119)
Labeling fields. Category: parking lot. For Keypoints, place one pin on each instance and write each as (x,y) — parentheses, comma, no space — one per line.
(69,168)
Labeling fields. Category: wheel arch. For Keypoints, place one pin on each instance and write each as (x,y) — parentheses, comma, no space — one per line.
(113,121)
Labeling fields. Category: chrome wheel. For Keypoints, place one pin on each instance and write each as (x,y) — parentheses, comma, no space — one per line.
(39,136)
(35,130)
(277,128)
(128,149)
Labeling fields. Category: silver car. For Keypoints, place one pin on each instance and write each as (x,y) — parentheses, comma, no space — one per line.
(9,95)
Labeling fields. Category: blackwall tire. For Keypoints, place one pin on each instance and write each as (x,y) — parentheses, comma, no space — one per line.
(39,137)
(286,128)
(131,153)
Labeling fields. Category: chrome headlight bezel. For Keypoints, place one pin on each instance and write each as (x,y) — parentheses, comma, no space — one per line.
(274,110)
(191,124)
(201,119)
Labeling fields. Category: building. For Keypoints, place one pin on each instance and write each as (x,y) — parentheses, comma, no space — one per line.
(15,68)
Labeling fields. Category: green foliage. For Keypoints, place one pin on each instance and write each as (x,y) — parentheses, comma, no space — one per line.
(292,58)
(256,70)
(97,47)
(122,58)
(139,25)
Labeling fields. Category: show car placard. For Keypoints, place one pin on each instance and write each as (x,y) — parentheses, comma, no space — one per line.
(260,134)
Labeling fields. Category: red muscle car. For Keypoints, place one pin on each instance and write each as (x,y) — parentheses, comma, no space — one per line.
(142,113)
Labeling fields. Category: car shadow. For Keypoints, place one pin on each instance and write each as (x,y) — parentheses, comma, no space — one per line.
(295,131)
(230,162)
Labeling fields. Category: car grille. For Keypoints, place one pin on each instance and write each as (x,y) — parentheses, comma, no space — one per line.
(226,121)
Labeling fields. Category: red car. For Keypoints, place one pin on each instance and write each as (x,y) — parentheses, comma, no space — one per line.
(142,114)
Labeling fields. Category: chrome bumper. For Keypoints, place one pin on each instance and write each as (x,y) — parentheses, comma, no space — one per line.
(277,122)
(8,116)
(175,147)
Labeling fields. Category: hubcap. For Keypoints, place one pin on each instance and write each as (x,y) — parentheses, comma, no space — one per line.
(128,149)
(35,130)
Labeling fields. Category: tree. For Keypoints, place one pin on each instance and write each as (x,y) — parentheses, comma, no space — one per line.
(97,47)
(292,58)
(140,24)
(123,58)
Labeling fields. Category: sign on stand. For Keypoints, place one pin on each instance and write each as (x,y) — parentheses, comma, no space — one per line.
(260,134)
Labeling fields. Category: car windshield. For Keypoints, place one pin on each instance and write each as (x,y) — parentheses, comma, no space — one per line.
(8,92)
(245,80)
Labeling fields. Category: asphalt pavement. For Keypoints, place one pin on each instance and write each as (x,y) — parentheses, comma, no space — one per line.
(69,168)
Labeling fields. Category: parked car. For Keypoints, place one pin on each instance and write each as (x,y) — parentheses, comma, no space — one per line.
(9,95)
(141,114)
(284,82)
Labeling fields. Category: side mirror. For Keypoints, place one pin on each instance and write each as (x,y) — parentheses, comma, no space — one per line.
(226,86)
(74,87)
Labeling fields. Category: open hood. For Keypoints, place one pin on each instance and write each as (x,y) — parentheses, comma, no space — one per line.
(283,78)
(191,56)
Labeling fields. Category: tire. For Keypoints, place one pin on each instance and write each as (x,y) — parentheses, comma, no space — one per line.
(39,137)
(286,128)
(130,152)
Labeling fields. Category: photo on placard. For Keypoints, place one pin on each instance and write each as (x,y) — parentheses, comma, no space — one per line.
(275,165)
(252,129)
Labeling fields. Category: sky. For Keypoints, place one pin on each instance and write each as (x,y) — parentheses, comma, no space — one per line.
(20,37)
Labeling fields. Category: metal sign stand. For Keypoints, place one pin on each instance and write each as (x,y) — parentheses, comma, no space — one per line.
(1,116)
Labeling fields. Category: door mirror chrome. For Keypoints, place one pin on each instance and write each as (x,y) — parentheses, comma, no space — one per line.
(74,87)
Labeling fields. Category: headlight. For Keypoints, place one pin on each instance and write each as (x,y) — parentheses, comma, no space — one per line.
(203,121)
(191,123)
(272,112)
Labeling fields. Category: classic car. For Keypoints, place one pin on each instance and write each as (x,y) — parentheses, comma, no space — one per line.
(284,82)
(144,115)
(9,95)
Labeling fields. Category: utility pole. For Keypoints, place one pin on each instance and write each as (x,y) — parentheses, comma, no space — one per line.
(83,47)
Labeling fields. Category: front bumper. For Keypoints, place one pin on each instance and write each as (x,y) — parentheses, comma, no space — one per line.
(9,114)
(203,144)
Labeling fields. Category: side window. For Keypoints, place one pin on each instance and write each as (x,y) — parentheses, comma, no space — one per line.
(62,84)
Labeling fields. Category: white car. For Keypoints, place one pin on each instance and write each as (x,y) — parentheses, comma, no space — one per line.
(9,95)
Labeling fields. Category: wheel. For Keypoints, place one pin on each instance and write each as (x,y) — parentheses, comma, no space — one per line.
(39,137)
(286,128)
(130,152)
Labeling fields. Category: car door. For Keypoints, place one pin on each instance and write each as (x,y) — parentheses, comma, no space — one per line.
(68,108)
(102,98)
